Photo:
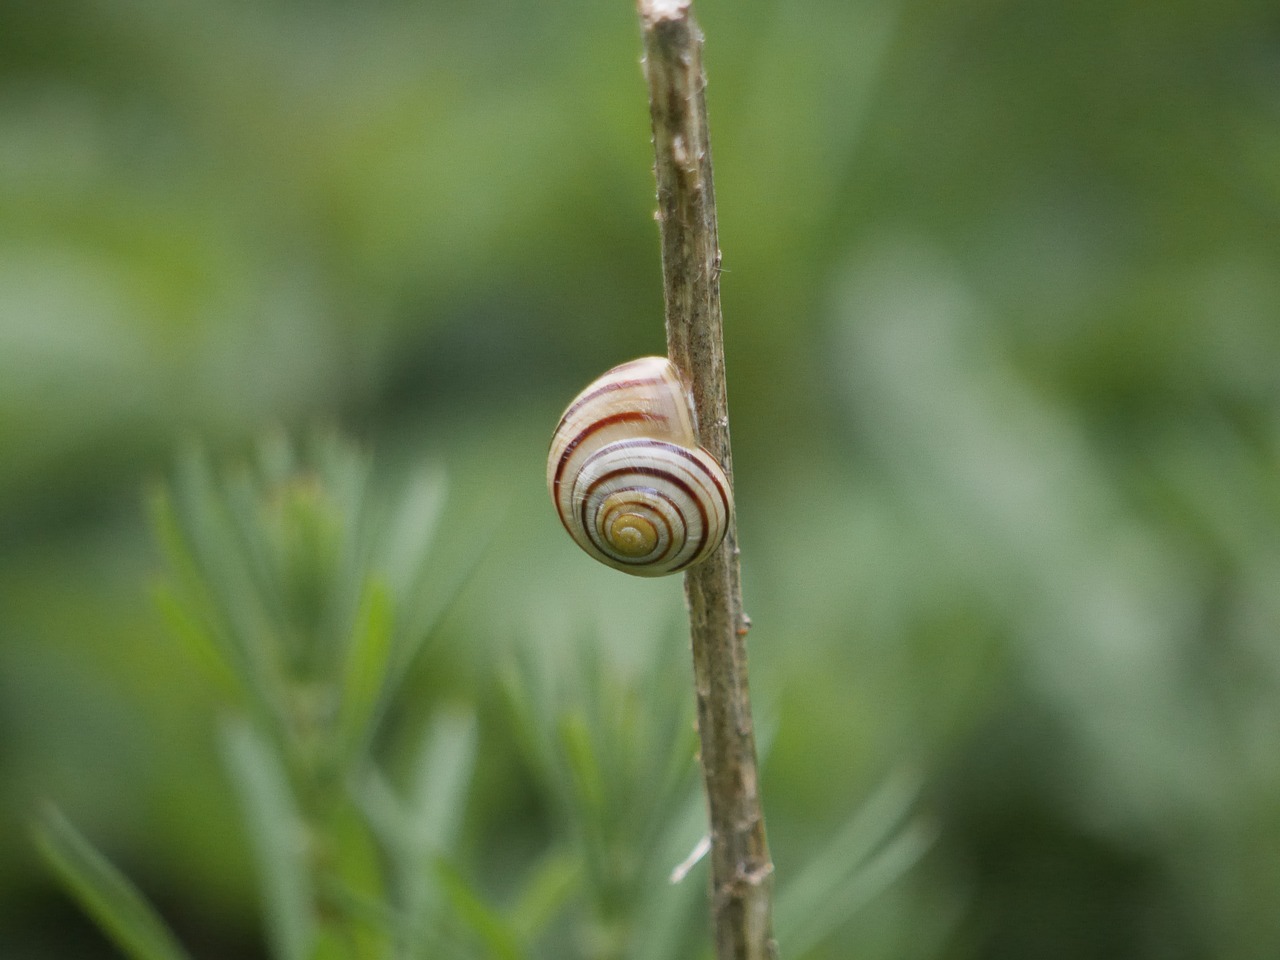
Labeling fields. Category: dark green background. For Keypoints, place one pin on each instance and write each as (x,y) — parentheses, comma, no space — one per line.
(1002,309)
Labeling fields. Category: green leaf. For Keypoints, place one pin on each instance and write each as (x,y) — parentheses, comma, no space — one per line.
(553,883)
(415,833)
(185,603)
(528,699)
(364,678)
(351,888)
(875,875)
(193,523)
(426,592)
(871,852)
(667,905)
(412,531)
(588,793)
(279,840)
(580,750)
(104,892)
(198,641)
(415,895)
(493,930)
(243,505)
(443,777)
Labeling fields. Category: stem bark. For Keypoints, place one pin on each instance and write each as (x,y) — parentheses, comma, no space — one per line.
(741,869)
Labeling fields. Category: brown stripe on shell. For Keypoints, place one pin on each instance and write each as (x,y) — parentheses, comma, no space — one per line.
(673,547)
(609,386)
(594,427)
(659,474)
(691,456)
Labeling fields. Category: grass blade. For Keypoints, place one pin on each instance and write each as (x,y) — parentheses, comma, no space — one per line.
(494,931)
(278,841)
(364,677)
(104,892)
(445,764)
(869,853)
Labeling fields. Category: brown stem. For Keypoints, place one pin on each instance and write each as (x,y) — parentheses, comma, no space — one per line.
(741,870)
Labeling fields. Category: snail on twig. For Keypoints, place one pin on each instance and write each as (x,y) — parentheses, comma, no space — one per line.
(628,479)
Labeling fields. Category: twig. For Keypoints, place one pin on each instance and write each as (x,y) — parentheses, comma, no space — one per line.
(741,870)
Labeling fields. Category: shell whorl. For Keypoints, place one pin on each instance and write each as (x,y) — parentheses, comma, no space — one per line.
(628,479)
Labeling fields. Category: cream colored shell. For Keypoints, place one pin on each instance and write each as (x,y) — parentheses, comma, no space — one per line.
(628,479)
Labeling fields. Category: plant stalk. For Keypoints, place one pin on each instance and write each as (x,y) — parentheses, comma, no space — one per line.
(741,869)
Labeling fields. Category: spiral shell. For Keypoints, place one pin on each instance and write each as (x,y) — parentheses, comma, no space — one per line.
(628,479)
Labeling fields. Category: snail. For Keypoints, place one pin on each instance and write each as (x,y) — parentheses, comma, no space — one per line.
(628,479)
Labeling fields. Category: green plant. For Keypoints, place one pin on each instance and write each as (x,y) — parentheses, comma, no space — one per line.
(300,592)
(305,595)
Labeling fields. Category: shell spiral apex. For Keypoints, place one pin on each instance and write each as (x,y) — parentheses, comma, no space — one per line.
(627,477)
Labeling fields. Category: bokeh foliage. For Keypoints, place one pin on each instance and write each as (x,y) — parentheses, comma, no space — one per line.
(305,596)
(1001,300)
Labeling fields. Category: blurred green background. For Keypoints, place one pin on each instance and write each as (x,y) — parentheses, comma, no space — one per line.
(1002,301)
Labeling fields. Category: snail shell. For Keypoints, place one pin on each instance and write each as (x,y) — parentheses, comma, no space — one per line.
(628,479)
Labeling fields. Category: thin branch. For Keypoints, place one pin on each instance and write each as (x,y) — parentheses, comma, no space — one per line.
(741,870)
